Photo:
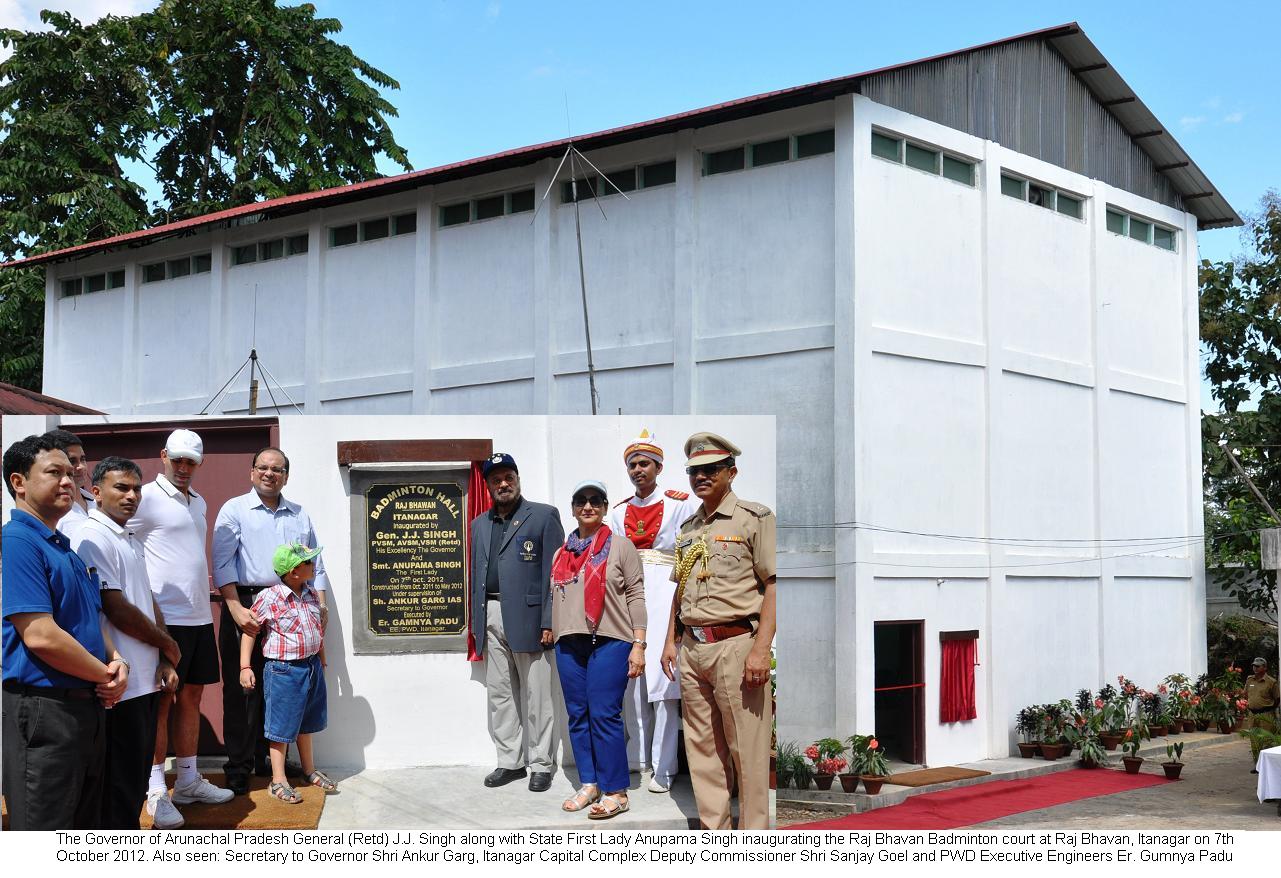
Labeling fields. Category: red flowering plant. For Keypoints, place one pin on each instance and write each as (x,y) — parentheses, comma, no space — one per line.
(826,754)
(868,755)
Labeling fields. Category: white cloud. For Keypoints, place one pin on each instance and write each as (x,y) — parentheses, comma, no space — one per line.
(1233,118)
(1191,123)
(1213,103)
(25,14)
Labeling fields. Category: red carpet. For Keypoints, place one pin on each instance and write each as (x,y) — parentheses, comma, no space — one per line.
(966,806)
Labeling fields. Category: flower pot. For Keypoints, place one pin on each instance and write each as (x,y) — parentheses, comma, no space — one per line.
(1132,764)
(849,782)
(1051,751)
(1225,726)
(1189,725)
(823,781)
(1029,749)
(1110,740)
(872,783)
(1087,763)
(1172,769)
(1202,725)
(1175,728)
(1157,731)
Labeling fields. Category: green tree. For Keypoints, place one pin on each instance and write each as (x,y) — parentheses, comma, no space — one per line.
(1241,338)
(222,102)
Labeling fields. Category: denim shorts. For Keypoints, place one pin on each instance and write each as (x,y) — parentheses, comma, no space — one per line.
(296,699)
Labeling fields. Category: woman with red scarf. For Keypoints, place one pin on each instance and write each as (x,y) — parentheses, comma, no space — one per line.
(598,620)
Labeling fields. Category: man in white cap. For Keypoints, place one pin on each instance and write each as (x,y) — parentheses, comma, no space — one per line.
(650,519)
(722,625)
(171,523)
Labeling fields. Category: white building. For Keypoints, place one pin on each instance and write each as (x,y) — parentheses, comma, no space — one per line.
(967,287)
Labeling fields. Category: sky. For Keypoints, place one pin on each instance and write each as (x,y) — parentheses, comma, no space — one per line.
(484,76)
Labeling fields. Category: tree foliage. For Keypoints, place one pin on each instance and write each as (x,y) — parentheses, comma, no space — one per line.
(1241,337)
(219,102)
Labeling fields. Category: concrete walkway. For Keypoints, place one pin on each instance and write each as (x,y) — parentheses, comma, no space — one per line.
(1009,768)
(453,797)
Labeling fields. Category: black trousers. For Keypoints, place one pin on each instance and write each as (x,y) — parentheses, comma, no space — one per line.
(242,712)
(53,760)
(131,738)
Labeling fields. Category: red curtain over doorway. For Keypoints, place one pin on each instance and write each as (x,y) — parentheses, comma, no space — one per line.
(956,682)
(479,502)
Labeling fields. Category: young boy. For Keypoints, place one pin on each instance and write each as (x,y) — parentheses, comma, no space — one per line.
(294,675)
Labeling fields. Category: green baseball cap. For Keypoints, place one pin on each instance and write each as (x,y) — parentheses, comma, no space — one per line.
(290,556)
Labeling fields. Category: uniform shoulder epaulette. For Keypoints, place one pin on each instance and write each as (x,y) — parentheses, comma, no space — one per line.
(622,502)
(676,495)
(760,510)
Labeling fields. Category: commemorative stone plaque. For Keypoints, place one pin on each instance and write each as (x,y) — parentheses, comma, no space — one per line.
(415,559)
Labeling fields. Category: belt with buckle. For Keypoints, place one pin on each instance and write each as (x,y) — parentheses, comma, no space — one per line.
(76,694)
(717,633)
(657,556)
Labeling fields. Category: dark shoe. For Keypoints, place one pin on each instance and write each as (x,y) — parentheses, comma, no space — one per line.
(540,781)
(503,776)
(238,784)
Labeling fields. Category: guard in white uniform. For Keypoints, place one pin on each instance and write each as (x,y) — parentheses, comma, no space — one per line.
(650,519)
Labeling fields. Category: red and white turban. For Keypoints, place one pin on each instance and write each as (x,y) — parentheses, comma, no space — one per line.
(646,445)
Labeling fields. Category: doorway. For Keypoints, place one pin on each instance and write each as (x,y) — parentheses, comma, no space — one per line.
(899,683)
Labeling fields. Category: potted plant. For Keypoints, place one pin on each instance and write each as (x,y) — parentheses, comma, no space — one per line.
(874,766)
(1083,734)
(1172,766)
(856,745)
(1052,725)
(1111,703)
(1150,705)
(826,755)
(1132,759)
(1028,724)
(802,772)
(789,753)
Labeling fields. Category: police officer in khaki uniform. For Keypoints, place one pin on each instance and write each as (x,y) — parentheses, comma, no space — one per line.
(723,621)
(1261,692)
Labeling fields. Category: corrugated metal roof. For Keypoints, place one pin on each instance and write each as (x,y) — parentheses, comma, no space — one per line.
(1204,201)
(16,400)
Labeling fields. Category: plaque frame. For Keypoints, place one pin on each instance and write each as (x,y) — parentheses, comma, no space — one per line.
(364,640)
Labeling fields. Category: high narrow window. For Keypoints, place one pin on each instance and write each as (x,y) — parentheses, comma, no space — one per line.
(341,236)
(658,174)
(95,283)
(298,244)
(201,263)
(723,162)
(404,224)
(522,201)
(455,214)
(815,143)
(771,152)
(274,249)
(374,230)
(180,267)
(153,272)
(487,208)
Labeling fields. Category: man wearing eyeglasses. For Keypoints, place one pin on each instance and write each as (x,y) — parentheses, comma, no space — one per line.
(246,534)
(511,617)
(719,636)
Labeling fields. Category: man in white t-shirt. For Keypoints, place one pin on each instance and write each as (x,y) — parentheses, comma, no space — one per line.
(81,497)
(171,524)
(137,629)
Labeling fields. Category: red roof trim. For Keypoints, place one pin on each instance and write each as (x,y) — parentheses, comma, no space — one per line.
(753,105)
(16,400)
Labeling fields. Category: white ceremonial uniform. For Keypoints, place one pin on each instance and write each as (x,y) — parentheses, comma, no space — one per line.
(651,706)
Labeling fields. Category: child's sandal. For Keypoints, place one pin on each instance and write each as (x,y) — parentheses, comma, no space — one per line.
(320,779)
(285,793)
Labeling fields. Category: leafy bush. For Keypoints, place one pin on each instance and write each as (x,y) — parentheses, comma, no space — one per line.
(1236,640)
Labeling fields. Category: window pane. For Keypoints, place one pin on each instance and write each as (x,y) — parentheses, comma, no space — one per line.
(885,147)
(1116,222)
(522,201)
(341,236)
(455,214)
(1069,205)
(1041,196)
(955,169)
(771,153)
(488,208)
(1163,238)
(72,287)
(815,143)
(298,244)
(625,180)
(922,159)
(1139,229)
(202,263)
(154,272)
(271,249)
(585,188)
(658,174)
(1012,186)
(372,230)
(724,161)
(405,224)
(179,267)
(116,279)
(95,283)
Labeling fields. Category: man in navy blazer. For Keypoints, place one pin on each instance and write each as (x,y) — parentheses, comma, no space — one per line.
(511,563)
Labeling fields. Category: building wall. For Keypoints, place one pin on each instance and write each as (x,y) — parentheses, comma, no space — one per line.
(943,359)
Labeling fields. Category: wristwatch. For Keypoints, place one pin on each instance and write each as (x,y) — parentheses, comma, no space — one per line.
(641,643)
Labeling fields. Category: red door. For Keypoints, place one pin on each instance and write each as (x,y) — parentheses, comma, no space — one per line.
(229,449)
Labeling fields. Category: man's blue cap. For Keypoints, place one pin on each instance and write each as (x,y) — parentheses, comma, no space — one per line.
(497,461)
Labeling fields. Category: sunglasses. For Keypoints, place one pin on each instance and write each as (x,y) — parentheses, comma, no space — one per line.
(594,500)
(707,469)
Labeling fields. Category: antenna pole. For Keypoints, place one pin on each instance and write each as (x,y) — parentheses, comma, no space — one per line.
(253,382)
(582,285)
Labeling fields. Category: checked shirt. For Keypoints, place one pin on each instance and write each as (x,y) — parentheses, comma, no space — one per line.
(291,622)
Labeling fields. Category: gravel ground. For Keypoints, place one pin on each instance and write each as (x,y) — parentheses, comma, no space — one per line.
(1217,792)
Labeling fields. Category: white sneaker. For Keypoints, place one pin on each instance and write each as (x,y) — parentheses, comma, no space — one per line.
(659,784)
(163,814)
(201,790)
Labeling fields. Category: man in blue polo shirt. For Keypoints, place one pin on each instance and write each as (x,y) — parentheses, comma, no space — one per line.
(60,669)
